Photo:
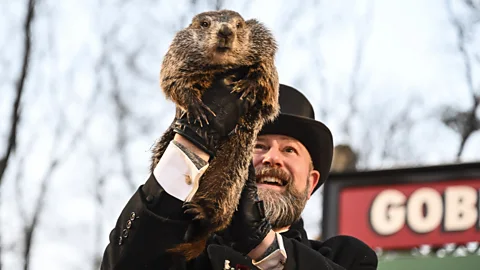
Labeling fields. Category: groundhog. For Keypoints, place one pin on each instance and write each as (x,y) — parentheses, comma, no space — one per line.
(220,45)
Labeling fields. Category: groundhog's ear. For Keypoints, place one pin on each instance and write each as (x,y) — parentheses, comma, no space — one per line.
(252,22)
(193,21)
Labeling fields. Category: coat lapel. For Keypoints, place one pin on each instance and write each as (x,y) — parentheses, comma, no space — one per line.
(297,232)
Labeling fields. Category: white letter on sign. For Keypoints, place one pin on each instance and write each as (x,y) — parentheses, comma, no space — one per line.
(461,209)
(387,214)
(419,221)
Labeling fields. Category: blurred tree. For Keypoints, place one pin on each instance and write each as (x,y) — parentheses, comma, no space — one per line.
(19,90)
(465,19)
(344,159)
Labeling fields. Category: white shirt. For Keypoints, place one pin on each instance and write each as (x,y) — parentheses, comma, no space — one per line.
(179,177)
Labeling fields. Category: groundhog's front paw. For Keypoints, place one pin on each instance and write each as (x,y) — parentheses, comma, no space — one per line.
(197,111)
(247,89)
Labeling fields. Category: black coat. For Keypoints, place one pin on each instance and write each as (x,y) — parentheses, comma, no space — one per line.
(152,222)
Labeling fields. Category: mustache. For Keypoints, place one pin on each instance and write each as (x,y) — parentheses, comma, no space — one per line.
(267,171)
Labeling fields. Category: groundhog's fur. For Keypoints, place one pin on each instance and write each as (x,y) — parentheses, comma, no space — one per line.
(197,55)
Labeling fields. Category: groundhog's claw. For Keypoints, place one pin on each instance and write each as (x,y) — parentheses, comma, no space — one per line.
(247,90)
(197,112)
(195,211)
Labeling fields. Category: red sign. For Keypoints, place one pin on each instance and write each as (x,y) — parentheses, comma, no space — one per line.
(408,215)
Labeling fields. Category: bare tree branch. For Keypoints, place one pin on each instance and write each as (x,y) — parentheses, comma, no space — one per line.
(121,115)
(19,178)
(473,5)
(56,160)
(20,87)
(461,45)
(218,4)
(354,87)
(309,43)
(465,123)
(318,63)
(394,130)
(31,226)
(293,13)
(402,122)
(99,194)
(131,63)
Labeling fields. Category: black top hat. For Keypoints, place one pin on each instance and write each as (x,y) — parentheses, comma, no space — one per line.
(297,120)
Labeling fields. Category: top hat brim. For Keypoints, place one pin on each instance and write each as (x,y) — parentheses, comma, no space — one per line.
(314,135)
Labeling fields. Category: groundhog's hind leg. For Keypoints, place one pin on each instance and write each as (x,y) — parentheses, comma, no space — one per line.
(190,250)
(220,187)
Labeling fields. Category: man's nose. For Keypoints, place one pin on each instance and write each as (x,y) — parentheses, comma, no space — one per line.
(272,158)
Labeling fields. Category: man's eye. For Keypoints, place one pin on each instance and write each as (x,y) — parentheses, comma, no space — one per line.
(259,146)
(290,149)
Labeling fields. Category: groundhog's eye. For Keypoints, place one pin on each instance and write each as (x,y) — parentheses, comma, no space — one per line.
(204,24)
(239,24)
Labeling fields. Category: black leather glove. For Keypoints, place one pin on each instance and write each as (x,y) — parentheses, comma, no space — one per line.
(228,108)
(249,225)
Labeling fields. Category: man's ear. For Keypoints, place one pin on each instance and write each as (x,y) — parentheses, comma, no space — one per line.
(313,181)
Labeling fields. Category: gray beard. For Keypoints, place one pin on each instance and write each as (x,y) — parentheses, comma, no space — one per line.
(282,209)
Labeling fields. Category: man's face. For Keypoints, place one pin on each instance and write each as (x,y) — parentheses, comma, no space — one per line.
(285,178)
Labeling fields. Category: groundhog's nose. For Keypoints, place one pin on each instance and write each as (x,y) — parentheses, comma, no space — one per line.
(225,31)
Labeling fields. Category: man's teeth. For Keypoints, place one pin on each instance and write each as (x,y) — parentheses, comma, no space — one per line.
(272,180)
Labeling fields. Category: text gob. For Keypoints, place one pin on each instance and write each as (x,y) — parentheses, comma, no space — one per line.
(426,209)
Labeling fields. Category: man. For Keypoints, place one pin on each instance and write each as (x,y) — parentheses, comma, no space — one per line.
(292,158)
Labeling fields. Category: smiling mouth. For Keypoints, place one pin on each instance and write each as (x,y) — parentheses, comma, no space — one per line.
(272,181)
